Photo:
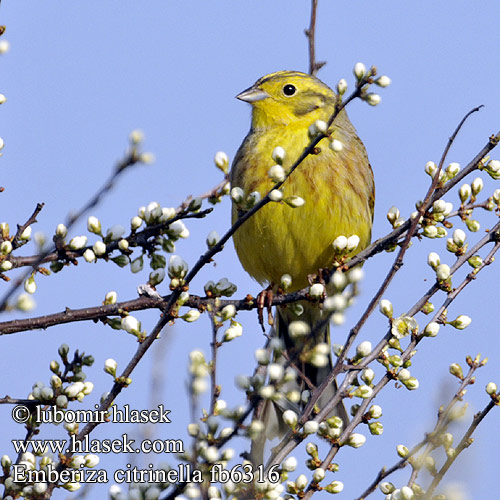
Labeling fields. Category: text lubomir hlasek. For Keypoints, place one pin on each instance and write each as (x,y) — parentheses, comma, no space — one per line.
(114,414)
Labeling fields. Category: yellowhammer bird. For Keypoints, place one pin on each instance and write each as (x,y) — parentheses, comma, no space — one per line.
(337,186)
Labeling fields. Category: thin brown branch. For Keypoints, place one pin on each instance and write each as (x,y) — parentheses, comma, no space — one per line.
(310,33)
(16,241)
(131,158)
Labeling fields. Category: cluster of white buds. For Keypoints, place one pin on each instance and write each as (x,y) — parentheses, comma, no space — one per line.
(319,127)
(431,170)
(198,367)
(393,493)
(223,287)
(177,270)
(344,245)
(403,326)
(394,217)
(441,209)
(331,428)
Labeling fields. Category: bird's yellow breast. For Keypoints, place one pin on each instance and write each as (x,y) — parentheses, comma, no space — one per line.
(337,188)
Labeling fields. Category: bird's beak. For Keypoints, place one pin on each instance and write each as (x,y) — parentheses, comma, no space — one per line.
(252,94)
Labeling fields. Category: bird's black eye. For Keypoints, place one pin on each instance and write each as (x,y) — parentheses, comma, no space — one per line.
(289,89)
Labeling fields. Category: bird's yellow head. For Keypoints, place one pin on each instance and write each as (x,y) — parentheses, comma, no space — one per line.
(288,96)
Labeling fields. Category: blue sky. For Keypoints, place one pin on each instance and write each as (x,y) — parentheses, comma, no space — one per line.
(80,76)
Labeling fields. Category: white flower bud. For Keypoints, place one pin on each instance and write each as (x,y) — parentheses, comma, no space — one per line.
(6,265)
(461,322)
(131,325)
(221,161)
(228,312)
(26,234)
(235,330)
(301,482)
(135,223)
(336,302)
(267,392)
(375,411)
(78,242)
(359,70)
(393,214)
(373,99)
(25,303)
(317,128)
(30,285)
(94,225)
(212,239)
(433,260)
(491,388)
(99,248)
(290,464)
(177,267)
(364,349)
(443,272)
(137,264)
(336,145)
(311,427)
(89,255)
(253,198)
(356,440)
(404,374)
(262,356)
(335,487)
(367,375)
(352,242)
(294,201)
(439,206)
(432,329)
(74,389)
(275,371)
(286,281)
(459,237)
(123,245)
(91,460)
(278,155)
(412,384)
(476,186)
(383,81)
(298,329)
(341,86)
(290,418)
(316,291)
(275,195)
(386,308)
(276,173)
(464,192)
(191,316)
(340,243)
(2,99)
(430,168)
(452,169)
(6,247)
(318,475)
(407,493)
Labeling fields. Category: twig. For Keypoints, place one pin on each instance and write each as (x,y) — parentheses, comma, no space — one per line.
(131,158)
(310,33)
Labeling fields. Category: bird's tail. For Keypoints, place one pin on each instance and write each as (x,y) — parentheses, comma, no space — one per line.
(312,365)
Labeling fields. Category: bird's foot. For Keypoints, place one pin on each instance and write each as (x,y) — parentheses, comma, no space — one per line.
(265,299)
